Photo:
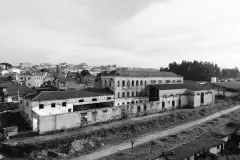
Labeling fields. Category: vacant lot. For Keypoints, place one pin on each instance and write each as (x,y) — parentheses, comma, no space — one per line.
(156,147)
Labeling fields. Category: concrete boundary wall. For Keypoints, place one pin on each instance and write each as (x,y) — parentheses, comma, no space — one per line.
(89,117)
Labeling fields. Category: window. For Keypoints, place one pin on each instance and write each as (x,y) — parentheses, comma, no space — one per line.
(136,83)
(110,84)
(123,103)
(153,81)
(21,101)
(140,101)
(159,81)
(128,83)
(105,82)
(137,93)
(69,110)
(173,81)
(132,102)
(128,94)
(118,95)
(53,105)
(26,103)
(109,98)
(145,83)
(118,84)
(218,147)
(132,83)
(64,104)
(21,77)
(123,83)
(105,111)
(41,106)
(128,102)
(94,99)
(141,83)
(132,94)
(168,81)
(81,100)
(123,94)
(29,78)
(136,101)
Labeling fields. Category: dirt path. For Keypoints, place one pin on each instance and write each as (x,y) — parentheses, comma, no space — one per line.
(108,150)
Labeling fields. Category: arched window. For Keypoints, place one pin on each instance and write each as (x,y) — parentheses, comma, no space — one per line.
(123,83)
(105,82)
(136,83)
(132,83)
(118,83)
(137,93)
(141,83)
(128,83)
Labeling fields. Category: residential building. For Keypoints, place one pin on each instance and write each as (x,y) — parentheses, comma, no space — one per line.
(14,70)
(128,85)
(4,73)
(172,96)
(89,81)
(32,79)
(25,65)
(195,149)
(64,84)
(55,110)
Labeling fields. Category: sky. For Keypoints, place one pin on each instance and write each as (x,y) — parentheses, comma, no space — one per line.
(135,33)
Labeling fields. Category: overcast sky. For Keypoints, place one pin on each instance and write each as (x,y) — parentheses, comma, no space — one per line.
(144,33)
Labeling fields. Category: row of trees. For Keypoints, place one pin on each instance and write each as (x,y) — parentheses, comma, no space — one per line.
(201,71)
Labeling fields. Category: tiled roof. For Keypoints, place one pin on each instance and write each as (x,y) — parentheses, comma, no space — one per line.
(193,87)
(205,142)
(13,89)
(141,73)
(63,79)
(59,95)
(99,90)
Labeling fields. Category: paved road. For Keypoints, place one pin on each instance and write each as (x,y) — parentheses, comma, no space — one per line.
(108,150)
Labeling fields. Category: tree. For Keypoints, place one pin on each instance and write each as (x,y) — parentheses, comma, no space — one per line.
(8,65)
(85,73)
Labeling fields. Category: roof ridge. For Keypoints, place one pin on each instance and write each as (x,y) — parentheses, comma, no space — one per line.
(38,95)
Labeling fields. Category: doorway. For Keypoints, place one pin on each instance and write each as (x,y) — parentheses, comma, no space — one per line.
(94,116)
(173,103)
(35,124)
(202,98)
(179,103)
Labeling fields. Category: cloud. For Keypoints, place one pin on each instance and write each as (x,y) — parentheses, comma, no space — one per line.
(135,33)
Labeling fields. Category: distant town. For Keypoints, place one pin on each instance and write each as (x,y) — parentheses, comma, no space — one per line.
(186,111)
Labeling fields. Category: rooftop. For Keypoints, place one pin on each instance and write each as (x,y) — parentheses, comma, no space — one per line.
(140,73)
(59,95)
(206,142)
(194,87)
(234,85)
(64,79)
(13,89)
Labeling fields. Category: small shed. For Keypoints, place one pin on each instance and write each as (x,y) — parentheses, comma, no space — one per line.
(10,131)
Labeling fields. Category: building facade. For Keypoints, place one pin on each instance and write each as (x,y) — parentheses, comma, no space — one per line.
(64,84)
(31,80)
(39,108)
(128,85)
(181,95)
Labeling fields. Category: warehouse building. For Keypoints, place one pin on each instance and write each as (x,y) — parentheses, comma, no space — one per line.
(181,95)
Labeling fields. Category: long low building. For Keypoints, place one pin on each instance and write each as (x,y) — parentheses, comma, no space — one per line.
(181,95)
(227,89)
(53,110)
